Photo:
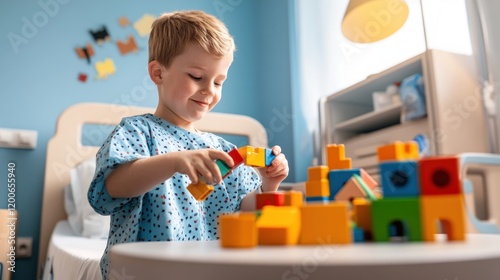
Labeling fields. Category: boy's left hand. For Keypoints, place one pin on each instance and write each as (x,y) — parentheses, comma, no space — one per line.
(275,173)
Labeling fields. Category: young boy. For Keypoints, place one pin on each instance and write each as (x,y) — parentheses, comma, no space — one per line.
(146,164)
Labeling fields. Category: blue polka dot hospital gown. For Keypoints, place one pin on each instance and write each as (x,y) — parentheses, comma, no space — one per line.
(167,212)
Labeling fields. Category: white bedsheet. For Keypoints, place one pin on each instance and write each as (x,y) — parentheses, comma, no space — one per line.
(71,256)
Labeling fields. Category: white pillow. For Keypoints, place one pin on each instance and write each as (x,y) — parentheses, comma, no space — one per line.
(81,217)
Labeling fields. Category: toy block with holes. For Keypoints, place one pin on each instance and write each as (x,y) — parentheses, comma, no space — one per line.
(398,151)
(448,210)
(400,178)
(440,176)
(336,157)
(238,230)
(201,190)
(325,224)
(279,225)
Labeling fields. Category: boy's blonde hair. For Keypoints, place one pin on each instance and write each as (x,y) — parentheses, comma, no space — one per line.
(171,32)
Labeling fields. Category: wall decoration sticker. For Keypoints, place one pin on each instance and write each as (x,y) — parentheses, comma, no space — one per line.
(143,25)
(85,52)
(128,46)
(105,68)
(100,35)
(123,21)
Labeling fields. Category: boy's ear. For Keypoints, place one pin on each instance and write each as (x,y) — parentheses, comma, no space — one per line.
(154,69)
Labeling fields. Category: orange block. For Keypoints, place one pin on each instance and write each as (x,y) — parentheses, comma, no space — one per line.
(279,225)
(294,198)
(369,181)
(362,214)
(352,189)
(336,159)
(449,210)
(238,230)
(317,173)
(317,188)
(325,224)
(398,151)
(200,191)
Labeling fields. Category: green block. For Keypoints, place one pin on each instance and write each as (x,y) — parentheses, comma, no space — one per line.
(223,167)
(389,212)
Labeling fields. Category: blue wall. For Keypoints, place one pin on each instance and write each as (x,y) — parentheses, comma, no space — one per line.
(40,68)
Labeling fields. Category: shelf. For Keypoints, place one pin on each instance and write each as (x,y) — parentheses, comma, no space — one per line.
(372,121)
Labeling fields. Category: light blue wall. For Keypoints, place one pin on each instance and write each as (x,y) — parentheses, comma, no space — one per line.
(39,77)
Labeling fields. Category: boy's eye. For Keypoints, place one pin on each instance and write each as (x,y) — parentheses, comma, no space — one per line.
(194,77)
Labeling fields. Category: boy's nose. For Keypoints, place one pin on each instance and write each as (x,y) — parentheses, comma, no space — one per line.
(208,88)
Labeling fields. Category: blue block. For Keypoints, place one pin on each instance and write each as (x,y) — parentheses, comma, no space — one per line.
(400,179)
(269,156)
(316,199)
(358,235)
(338,178)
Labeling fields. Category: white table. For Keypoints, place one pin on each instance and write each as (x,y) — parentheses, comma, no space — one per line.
(478,258)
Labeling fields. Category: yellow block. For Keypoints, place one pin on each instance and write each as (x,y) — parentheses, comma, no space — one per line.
(318,188)
(325,224)
(238,230)
(255,157)
(449,210)
(279,225)
(398,151)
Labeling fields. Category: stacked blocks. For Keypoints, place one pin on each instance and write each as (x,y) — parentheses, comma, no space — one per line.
(257,157)
(416,194)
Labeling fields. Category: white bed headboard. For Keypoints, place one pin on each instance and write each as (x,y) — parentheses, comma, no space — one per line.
(65,151)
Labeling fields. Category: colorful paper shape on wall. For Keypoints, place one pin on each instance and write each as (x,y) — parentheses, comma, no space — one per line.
(105,68)
(85,52)
(127,46)
(82,77)
(100,35)
(123,21)
(143,25)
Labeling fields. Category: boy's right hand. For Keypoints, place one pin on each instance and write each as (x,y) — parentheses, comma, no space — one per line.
(201,163)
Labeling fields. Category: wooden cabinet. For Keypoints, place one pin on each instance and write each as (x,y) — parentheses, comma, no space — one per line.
(454,123)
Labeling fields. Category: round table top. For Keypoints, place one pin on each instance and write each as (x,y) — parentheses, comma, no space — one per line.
(476,250)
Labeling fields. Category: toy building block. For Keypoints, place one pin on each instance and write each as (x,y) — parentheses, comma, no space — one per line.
(336,159)
(317,181)
(370,182)
(237,158)
(362,216)
(369,192)
(398,151)
(400,178)
(440,176)
(337,179)
(293,198)
(279,225)
(390,212)
(238,230)
(358,234)
(449,210)
(352,189)
(255,157)
(201,190)
(269,198)
(223,167)
(325,224)
(270,156)
(317,199)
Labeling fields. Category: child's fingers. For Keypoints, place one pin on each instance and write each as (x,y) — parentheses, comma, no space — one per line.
(216,154)
(276,150)
(279,160)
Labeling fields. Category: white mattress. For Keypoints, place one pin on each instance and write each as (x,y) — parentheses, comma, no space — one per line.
(71,256)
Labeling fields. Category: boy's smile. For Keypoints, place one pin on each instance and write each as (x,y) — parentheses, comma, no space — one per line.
(191,86)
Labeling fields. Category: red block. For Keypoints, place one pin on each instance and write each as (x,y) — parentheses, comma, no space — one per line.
(269,198)
(439,176)
(237,158)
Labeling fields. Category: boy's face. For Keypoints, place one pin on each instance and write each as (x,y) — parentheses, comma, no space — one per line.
(191,86)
